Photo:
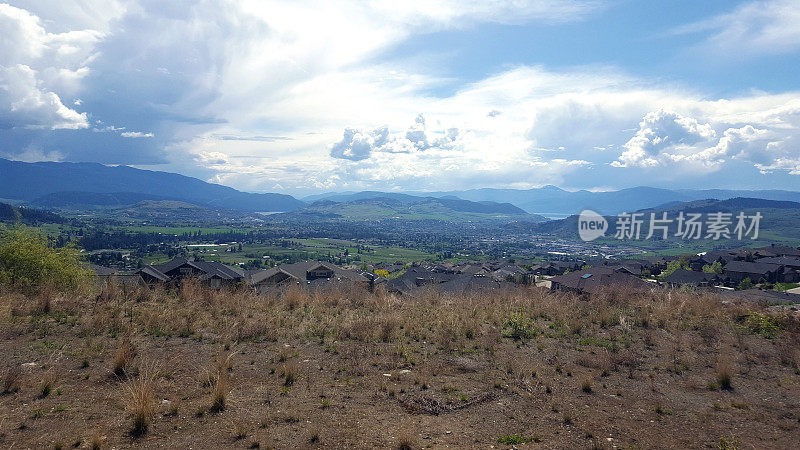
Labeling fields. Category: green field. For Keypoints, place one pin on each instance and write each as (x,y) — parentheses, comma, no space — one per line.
(318,248)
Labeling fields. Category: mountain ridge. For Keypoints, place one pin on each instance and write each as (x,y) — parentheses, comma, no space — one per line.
(29,181)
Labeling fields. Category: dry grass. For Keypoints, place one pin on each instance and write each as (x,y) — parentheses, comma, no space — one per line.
(140,400)
(11,380)
(724,371)
(470,364)
(123,357)
(220,382)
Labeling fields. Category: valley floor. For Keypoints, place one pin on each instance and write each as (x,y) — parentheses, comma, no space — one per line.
(530,368)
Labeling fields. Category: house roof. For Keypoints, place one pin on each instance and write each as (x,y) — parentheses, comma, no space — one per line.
(210,269)
(153,272)
(100,270)
(791,261)
(299,271)
(751,267)
(682,276)
(777,250)
(762,296)
(597,278)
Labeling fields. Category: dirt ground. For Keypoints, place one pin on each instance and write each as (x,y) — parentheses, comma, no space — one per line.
(528,369)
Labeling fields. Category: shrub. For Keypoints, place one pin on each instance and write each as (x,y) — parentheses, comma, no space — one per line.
(518,327)
(762,325)
(745,284)
(28,260)
(513,439)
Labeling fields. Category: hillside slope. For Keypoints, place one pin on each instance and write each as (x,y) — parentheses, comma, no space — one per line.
(28,181)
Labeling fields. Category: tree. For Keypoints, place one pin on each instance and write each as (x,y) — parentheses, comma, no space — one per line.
(745,284)
(672,266)
(28,260)
(716,267)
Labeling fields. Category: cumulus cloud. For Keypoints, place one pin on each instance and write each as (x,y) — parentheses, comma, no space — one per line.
(23,103)
(671,139)
(36,66)
(298,94)
(660,132)
(360,144)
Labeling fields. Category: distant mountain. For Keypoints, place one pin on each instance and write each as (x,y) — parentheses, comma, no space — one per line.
(363,195)
(409,207)
(29,181)
(555,202)
(779,222)
(79,200)
(28,216)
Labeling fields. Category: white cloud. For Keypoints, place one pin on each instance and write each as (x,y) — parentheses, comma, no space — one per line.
(764,138)
(36,67)
(660,131)
(135,134)
(754,28)
(26,104)
(264,93)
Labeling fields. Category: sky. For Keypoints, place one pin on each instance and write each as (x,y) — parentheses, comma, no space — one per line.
(302,97)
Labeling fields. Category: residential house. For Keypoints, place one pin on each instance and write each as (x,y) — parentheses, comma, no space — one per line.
(214,274)
(309,274)
(596,279)
(736,271)
(683,277)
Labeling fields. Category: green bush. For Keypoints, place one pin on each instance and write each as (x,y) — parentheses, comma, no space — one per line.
(518,327)
(745,285)
(762,325)
(28,260)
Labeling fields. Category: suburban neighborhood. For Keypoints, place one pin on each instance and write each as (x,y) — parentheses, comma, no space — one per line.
(768,273)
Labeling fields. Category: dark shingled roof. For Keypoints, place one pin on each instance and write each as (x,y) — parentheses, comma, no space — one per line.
(209,269)
(682,276)
(751,267)
(790,261)
(299,271)
(598,278)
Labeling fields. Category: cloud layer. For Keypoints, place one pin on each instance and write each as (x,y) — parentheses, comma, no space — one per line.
(298,96)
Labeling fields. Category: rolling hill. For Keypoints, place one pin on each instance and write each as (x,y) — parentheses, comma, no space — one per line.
(555,202)
(413,208)
(61,181)
(779,222)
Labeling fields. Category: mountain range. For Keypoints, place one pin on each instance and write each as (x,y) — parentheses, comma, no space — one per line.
(64,185)
(554,202)
(30,181)
(778,223)
(409,207)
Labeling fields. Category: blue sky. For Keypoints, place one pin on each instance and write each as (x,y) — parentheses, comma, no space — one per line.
(309,96)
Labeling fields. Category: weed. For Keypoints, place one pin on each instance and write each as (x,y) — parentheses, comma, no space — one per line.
(11,380)
(289,373)
(586,385)
(724,374)
(123,357)
(141,401)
